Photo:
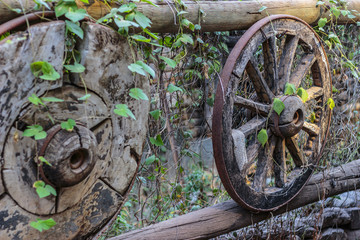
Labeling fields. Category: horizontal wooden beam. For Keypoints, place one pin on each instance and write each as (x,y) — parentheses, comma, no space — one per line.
(228,216)
(211,15)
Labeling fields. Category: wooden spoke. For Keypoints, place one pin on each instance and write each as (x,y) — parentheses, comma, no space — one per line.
(253,106)
(280,163)
(252,126)
(302,69)
(315,92)
(286,61)
(311,128)
(262,89)
(270,61)
(295,152)
(252,152)
(262,166)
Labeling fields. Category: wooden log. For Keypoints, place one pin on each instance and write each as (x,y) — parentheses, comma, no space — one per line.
(217,16)
(228,216)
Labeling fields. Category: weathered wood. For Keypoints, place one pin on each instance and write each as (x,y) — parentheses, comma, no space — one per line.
(302,69)
(270,61)
(286,60)
(311,128)
(253,106)
(242,65)
(314,92)
(263,164)
(295,152)
(94,165)
(280,163)
(228,216)
(262,89)
(218,16)
(6,5)
(253,125)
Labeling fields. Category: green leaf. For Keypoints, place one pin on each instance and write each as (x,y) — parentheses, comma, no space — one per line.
(188,24)
(126,8)
(35,131)
(76,68)
(38,184)
(147,68)
(43,160)
(156,114)
(331,103)
(138,94)
(290,89)
(41,225)
(51,190)
(85,97)
(151,159)
(123,23)
(35,100)
(262,137)
(124,111)
(68,125)
(262,8)
(150,2)
(51,99)
(151,34)
(74,28)
(181,13)
(168,61)
(140,38)
(303,94)
(142,20)
(63,7)
(35,68)
(42,192)
(278,106)
(312,117)
(186,38)
(40,135)
(77,15)
(157,141)
(172,88)
(335,11)
(322,22)
(137,69)
(49,72)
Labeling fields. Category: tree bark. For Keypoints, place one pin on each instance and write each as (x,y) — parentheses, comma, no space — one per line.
(217,16)
(228,216)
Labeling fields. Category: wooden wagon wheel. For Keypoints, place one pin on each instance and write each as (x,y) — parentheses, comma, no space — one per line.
(274,51)
(93,166)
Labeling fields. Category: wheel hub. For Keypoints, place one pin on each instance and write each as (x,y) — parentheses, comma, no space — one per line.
(291,120)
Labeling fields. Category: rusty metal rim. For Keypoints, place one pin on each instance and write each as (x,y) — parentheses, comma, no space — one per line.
(20,21)
(219,103)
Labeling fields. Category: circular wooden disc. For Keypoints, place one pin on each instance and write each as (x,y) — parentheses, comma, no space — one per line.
(79,209)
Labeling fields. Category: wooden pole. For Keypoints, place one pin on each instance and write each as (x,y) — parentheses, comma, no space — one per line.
(228,216)
(212,15)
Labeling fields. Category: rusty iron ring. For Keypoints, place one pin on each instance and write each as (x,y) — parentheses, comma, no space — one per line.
(219,107)
(20,21)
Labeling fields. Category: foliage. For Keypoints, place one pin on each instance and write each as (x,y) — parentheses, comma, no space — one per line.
(43,224)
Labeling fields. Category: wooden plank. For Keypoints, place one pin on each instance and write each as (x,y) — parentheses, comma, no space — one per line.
(229,216)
